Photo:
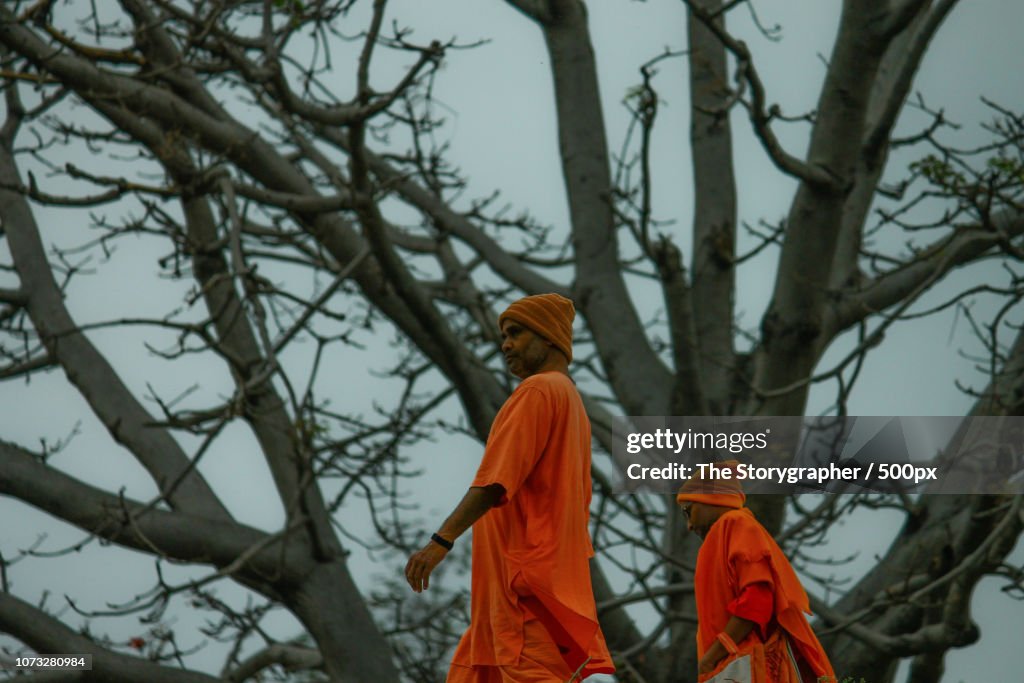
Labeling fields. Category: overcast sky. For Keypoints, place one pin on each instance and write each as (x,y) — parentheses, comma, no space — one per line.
(502,133)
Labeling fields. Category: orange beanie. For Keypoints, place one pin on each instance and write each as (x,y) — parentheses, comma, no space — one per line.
(549,315)
(724,492)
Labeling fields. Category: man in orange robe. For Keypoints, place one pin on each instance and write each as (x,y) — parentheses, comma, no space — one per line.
(749,599)
(532,617)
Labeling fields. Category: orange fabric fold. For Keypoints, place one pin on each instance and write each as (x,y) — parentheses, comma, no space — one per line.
(539,662)
(755,603)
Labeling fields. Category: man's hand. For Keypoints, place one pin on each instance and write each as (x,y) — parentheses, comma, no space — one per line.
(421,564)
(710,660)
(737,628)
(477,501)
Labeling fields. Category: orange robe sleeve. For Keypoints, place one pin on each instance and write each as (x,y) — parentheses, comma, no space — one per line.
(755,603)
(516,441)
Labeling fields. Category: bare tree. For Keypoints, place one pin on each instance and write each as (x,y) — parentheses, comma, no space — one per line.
(269,149)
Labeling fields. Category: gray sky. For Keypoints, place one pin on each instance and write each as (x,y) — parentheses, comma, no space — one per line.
(502,134)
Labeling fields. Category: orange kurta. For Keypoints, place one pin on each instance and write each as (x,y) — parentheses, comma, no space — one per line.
(738,552)
(531,553)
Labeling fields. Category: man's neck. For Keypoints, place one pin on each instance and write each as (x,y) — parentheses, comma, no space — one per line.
(560,367)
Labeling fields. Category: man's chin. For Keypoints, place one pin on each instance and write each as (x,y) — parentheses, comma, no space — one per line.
(515,370)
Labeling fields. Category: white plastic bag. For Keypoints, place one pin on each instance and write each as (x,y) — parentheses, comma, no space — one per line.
(737,671)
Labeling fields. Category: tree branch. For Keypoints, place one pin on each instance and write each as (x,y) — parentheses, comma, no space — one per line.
(895,77)
(15,297)
(760,114)
(45,634)
(255,156)
(144,527)
(27,367)
(344,115)
(538,10)
(900,75)
(714,212)
(638,376)
(112,402)
(792,333)
(289,657)
(448,221)
(931,265)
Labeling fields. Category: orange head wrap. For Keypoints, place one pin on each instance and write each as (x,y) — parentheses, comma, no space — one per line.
(549,315)
(724,492)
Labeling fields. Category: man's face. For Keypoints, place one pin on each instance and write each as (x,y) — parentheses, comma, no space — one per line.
(525,350)
(699,518)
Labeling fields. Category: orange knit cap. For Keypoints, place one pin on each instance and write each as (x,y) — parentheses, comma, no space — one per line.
(724,492)
(549,315)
